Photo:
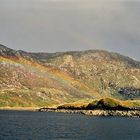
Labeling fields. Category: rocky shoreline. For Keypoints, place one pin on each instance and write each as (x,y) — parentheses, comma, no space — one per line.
(96,112)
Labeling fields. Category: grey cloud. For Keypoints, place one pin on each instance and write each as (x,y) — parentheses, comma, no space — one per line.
(58,25)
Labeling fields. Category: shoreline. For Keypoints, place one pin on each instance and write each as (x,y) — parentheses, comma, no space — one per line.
(96,112)
(20,108)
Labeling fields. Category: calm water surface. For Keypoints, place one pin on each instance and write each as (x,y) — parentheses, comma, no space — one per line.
(26,125)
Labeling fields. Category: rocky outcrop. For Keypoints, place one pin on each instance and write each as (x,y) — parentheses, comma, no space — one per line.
(129,92)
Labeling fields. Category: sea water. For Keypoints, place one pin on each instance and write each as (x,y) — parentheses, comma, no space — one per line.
(28,125)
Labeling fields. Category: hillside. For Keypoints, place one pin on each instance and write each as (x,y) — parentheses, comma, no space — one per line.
(44,79)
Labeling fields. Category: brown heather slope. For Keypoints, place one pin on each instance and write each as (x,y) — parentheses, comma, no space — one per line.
(44,79)
(25,82)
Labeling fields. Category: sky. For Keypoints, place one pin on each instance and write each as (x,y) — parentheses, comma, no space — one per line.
(71,25)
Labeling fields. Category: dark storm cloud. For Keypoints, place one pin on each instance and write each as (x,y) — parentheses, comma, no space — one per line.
(60,25)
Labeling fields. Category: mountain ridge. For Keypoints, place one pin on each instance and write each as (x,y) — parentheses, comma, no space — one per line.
(55,54)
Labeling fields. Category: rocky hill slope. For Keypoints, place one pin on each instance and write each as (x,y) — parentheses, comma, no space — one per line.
(43,79)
